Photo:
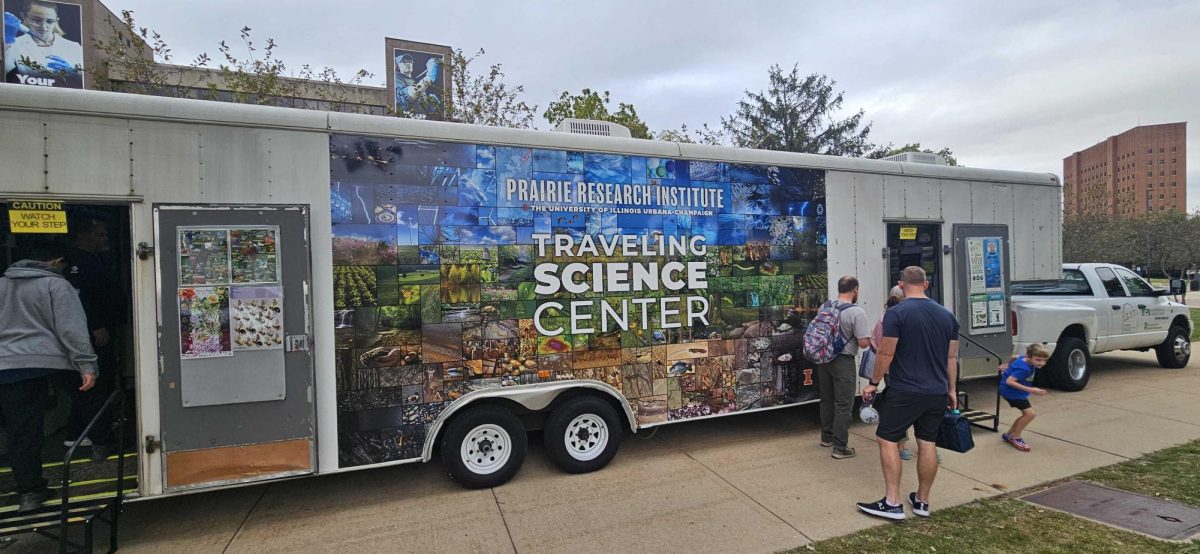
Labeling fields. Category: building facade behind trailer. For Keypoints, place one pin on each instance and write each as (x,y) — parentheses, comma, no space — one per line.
(292,259)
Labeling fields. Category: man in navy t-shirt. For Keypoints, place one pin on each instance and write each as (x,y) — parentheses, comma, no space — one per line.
(919,355)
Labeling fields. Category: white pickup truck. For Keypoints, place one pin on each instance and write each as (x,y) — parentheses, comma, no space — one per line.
(1097,308)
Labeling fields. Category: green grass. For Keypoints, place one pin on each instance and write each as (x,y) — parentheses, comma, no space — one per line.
(1195,324)
(1005,524)
(1171,474)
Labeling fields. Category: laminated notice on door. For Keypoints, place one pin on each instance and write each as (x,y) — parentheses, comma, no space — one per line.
(203,256)
(257,314)
(204,322)
(908,233)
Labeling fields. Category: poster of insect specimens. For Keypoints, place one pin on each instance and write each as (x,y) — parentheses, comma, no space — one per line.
(257,318)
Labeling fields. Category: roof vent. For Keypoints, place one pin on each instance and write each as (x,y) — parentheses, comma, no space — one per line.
(918,158)
(592,127)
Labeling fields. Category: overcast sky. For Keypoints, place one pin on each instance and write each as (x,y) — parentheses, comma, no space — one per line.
(1008,85)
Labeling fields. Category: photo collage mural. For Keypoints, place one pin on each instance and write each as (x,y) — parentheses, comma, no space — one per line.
(685,285)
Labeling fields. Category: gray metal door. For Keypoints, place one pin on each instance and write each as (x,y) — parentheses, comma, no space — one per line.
(981,296)
(235,386)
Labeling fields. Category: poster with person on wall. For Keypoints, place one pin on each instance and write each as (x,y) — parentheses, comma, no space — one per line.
(43,43)
(418,78)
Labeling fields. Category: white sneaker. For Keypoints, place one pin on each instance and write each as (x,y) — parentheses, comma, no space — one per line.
(85,442)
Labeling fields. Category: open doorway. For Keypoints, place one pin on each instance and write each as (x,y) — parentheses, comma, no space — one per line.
(97,245)
(918,244)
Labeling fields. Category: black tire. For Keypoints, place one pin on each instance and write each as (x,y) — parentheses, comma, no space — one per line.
(1171,355)
(494,427)
(595,434)
(1060,365)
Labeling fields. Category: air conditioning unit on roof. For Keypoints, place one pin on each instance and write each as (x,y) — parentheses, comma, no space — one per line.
(592,127)
(917,158)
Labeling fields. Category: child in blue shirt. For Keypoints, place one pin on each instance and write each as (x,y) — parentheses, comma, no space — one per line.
(1016,384)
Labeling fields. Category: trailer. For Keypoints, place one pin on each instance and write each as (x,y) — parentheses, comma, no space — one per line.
(313,293)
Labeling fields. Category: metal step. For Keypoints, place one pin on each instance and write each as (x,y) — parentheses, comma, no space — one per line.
(976,416)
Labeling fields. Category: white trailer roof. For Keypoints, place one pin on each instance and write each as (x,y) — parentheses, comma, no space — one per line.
(108,104)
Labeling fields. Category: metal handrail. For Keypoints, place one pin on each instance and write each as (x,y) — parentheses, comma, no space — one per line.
(116,398)
(996,414)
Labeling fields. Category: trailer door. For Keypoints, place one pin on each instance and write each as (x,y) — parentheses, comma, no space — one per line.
(982,301)
(235,381)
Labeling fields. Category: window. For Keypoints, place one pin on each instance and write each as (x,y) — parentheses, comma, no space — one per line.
(1174,172)
(1149,150)
(1149,173)
(1160,150)
(1112,285)
(1172,160)
(1073,283)
(1135,284)
(1161,161)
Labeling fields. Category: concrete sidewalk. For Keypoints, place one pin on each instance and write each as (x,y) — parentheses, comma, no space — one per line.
(755,483)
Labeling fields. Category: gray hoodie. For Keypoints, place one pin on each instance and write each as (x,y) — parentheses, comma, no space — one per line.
(42,324)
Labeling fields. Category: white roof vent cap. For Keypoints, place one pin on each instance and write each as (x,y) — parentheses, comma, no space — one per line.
(593,127)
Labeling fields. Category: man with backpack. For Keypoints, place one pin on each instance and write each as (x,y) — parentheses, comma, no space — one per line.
(832,340)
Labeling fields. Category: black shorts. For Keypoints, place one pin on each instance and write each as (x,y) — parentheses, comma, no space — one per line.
(1020,404)
(899,410)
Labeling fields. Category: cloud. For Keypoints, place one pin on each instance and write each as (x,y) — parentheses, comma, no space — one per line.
(1013,85)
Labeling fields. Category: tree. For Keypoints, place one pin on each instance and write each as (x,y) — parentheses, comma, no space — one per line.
(797,114)
(1166,244)
(138,60)
(485,99)
(589,104)
(702,135)
(891,150)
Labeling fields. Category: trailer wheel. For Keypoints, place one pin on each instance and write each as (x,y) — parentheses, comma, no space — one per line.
(583,434)
(1175,352)
(1070,367)
(484,447)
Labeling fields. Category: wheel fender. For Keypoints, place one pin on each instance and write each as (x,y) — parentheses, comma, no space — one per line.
(534,397)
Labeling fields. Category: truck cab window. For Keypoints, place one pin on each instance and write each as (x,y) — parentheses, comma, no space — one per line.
(1111,283)
(1073,283)
(1135,284)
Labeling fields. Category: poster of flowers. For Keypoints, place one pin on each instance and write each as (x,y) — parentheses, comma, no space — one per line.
(257,318)
(204,322)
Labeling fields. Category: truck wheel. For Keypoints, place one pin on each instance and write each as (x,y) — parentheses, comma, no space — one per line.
(1070,367)
(1175,352)
(583,434)
(484,447)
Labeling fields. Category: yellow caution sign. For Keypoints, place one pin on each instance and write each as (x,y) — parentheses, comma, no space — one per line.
(36,216)
(908,233)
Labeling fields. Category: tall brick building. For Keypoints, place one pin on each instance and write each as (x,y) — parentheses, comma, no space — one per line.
(1141,170)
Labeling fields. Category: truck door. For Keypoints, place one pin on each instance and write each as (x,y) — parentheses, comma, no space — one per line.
(1120,311)
(235,384)
(981,296)
(1153,315)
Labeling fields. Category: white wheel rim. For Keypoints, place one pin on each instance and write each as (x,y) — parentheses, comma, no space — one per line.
(1077,364)
(486,449)
(586,437)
